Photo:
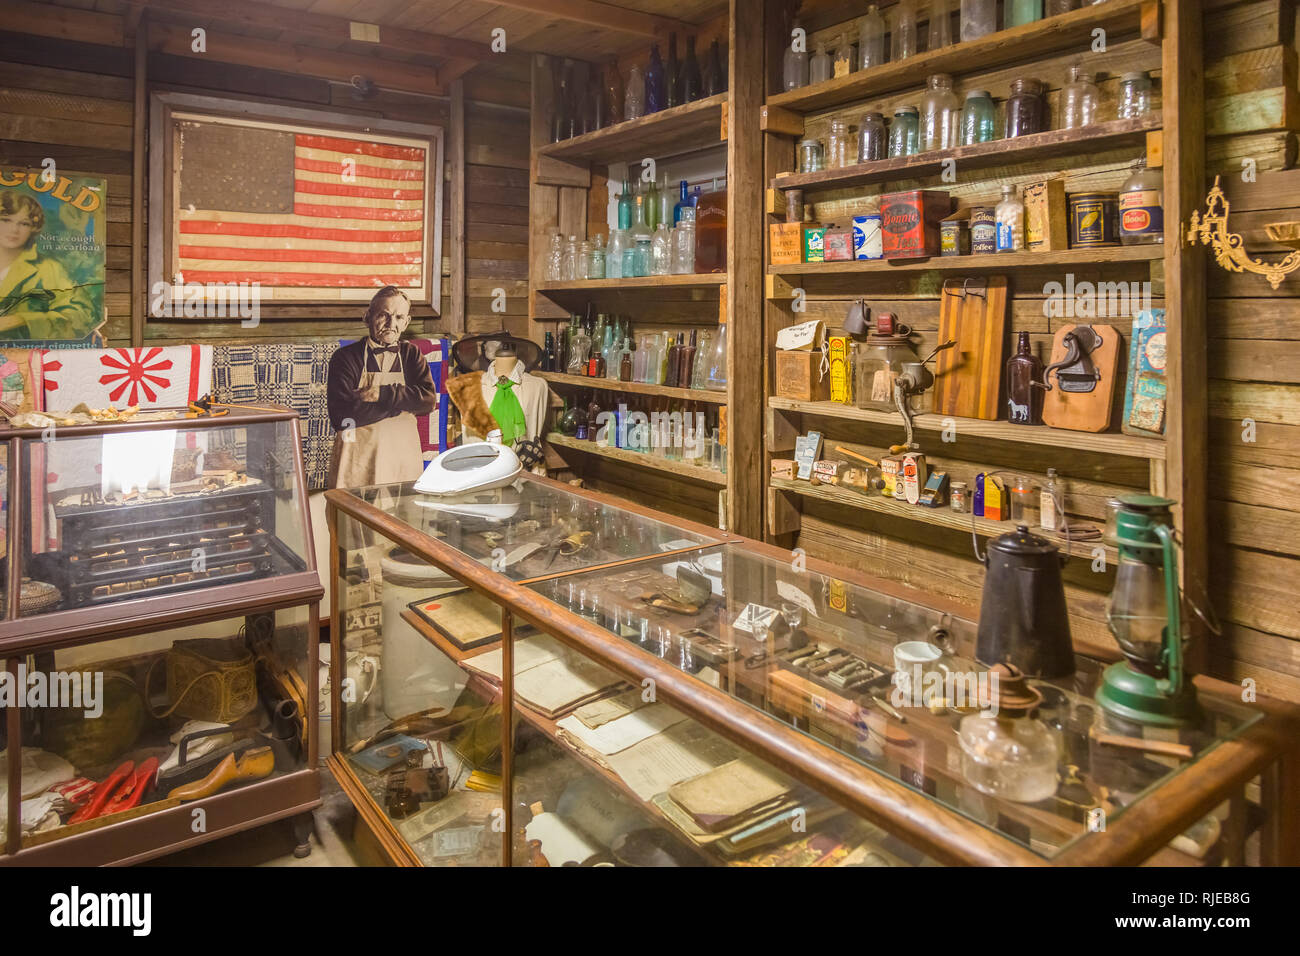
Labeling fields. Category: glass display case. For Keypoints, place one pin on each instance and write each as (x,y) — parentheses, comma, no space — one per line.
(673,695)
(160,635)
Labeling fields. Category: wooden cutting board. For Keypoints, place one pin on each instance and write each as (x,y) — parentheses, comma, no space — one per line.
(968,377)
(1084,411)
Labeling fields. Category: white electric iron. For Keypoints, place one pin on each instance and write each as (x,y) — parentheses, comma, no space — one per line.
(478,466)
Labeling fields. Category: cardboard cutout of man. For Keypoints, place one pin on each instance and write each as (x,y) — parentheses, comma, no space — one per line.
(375,389)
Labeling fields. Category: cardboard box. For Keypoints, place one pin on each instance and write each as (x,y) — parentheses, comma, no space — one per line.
(839,245)
(786,239)
(814,243)
(798,376)
(910,222)
(1046,223)
(783,469)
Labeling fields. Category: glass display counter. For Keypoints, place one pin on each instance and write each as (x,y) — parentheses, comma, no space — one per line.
(543,676)
(160,636)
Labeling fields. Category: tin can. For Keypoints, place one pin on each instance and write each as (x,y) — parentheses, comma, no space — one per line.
(954,238)
(983,230)
(1094,220)
(867,237)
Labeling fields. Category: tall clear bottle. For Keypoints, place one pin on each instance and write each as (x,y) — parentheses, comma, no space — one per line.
(715,378)
(661,251)
(940,114)
(634,94)
(613,94)
(871,39)
(904,32)
(978,18)
(795,63)
(555,258)
(639,233)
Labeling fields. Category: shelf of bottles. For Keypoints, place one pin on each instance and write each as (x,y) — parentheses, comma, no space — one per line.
(611,354)
(942,36)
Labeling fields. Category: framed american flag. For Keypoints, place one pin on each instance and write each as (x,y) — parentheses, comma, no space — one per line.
(314,207)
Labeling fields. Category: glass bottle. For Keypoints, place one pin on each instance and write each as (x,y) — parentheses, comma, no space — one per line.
(644,254)
(555,258)
(711,232)
(812,158)
(1054,8)
(1134,95)
(661,251)
(795,65)
(638,359)
(548,352)
(904,32)
(683,203)
(977,118)
(715,378)
(940,114)
(1025,391)
(1007,752)
(579,351)
(650,203)
(1018,12)
(595,111)
(613,94)
(569,271)
(978,18)
(596,354)
(1010,215)
(686,360)
(625,362)
(672,362)
(819,67)
(871,39)
(672,75)
(940,26)
(560,120)
(715,80)
(872,138)
(582,261)
(700,371)
(1079,100)
(614,254)
(596,259)
(904,132)
(639,235)
(634,94)
(1050,502)
(684,246)
(837,145)
(655,97)
(665,211)
(1025,109)
(1141,207)
(692,83)
(567,422)
(842,59)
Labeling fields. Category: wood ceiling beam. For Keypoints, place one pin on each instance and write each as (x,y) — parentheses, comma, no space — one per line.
(251,13)
(285,58)
(63,23)
(604,15)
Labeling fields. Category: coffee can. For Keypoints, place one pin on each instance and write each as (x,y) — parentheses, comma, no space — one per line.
(1094,220)
(983,230)
(867,239)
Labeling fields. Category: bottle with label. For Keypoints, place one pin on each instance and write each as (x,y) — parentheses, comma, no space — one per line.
(1011,221)
(711,232)
(1049,514)
(1025,390)
(1141,207)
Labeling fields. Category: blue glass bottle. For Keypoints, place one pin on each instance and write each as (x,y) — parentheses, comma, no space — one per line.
(683,201)
(655,96)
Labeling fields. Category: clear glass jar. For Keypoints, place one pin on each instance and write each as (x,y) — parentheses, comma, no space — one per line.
(904,132)
(903,34)
(940,26)
(1018,12)
(1134,95)
(1011,221)
(940,114)
(618,240)
(684,247)
(569,270)
(871,39)
(1141,207)
(977,118)
(812,157)
(1079,100)
(642,254)
(596,259)
(837,145)
(819,67)
(873,139)
(582,260)
(555,258)
(957,497)
(1026,112)
(794,68)
(877,364)
(978,18)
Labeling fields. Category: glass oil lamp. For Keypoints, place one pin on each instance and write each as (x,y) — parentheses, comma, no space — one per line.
(1144,613)
(1006,751)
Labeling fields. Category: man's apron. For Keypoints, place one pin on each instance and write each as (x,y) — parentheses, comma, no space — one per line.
(388,450)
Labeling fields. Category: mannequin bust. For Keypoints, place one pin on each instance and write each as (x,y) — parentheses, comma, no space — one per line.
(505,362)
(514,395)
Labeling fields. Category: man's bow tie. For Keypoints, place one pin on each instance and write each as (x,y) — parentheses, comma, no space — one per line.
(385,348)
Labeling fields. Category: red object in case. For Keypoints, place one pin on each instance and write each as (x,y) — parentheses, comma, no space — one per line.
(909,222)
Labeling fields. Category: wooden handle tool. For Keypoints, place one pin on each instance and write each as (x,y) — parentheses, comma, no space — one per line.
(853,454)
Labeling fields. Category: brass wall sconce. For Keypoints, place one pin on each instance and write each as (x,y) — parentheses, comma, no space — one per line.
(1229,247)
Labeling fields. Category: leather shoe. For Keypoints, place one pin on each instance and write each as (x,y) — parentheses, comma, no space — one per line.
(253,765)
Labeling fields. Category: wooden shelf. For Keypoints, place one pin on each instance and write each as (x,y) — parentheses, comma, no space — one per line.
(997,261)
(706,476)
(682,129)
(1108,443)
(1001,152)
(943,517)
(695,280)
(1068,32)
(638,388)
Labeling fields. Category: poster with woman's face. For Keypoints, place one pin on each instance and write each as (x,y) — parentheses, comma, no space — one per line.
(52,254)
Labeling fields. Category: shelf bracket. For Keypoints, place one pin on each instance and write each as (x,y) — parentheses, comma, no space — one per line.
(1152,22)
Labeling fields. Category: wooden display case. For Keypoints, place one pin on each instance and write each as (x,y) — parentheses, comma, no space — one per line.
(164,528)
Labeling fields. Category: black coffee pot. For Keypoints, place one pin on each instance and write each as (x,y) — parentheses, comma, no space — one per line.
(1023,619)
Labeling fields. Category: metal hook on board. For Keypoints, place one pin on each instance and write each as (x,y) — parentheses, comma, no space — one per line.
(980,293)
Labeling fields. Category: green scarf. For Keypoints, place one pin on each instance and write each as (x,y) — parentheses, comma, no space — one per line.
(508,412)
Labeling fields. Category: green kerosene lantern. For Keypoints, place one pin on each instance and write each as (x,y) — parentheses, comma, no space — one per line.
(1144,613)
